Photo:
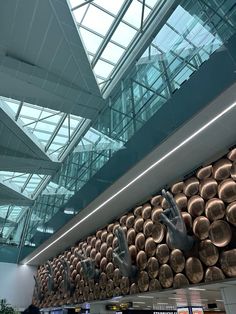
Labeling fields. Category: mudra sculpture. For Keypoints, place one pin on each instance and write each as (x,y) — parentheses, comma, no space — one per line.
(50,278)
(88,266)
(37,290)
(172,218)
(121,255)
(67,286)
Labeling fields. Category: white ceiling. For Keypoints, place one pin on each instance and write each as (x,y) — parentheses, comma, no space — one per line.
(42,60)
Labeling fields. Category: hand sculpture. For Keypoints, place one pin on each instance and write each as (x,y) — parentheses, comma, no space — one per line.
(172,218)
(88,266)
(121,255)
(67,287)
(37,290)
(50,279)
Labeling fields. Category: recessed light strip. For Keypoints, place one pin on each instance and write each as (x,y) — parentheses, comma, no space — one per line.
(187,140)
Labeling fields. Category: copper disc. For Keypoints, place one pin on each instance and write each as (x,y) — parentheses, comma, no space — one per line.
(214,274)
(177,261)
(158,232)
(148,227)
(191,187)
(204,172)
(114,243)
(233,171)
(116,277)
(227,190)
(215,209)
(165,276)
(156,200)
(232,154)
(103,294)
(141,260)
(196,205)
(181,200)
(103,264)
(187,220)
(123,220)
(143,281)
(146,211)
(115,226)
(138,211)
(221,169)
(131,235)
(110,228)
(220,233)
(164,203)
(98,245)
(93,242)
(201,227)
(228,262)
(194,270)
(102,280)
(150,247)
(154,285)
(104,236)
(162,253)
(98,259)
(140,241)
(152,267)
(208,188)
(208,253)
(133,253)
(103,249)
(138,224)
(177,187)
(130,221)
(124,285)
(180,281)
(231,213)
(96,291)
(109,239)
(109,288)
(155,216)
(98,234)
(109,254)
(134,288)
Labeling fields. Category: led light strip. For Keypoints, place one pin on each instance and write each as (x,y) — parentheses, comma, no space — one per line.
(188,139)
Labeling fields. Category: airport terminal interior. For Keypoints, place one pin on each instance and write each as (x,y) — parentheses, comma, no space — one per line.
(118,156)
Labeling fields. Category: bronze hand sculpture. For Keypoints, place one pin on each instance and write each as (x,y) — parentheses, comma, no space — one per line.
(172,218)
(50,279)
(88,266)
(121,255)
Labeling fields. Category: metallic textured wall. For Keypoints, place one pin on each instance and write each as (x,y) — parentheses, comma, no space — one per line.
(207,202)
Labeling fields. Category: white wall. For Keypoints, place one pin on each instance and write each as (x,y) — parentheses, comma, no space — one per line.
(17,284)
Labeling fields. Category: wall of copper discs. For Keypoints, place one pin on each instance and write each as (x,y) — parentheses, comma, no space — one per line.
(208,206)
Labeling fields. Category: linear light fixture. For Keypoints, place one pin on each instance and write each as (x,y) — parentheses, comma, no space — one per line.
(145,296)
(197,289)
(177,147)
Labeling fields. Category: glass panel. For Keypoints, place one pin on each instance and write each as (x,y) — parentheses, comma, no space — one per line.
(112,53)
(123,34)
(91,41)
(111,6)
(97,19)
(103,69)
(134,14)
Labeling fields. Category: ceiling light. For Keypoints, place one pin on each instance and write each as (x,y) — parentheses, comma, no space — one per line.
(197,289)
(163,303)
(171,152)
(137,302)
(146,296)
(175,298)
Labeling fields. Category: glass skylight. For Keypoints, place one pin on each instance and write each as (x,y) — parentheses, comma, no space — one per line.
(107,28)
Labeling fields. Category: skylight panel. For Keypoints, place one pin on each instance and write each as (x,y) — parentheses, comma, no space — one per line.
(112,53)
(91,41)
(151,3)
(112,6)
(103,69)
(123,34)
(134,14)
(97,19)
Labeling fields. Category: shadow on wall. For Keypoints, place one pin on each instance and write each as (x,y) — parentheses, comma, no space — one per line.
(206,203)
